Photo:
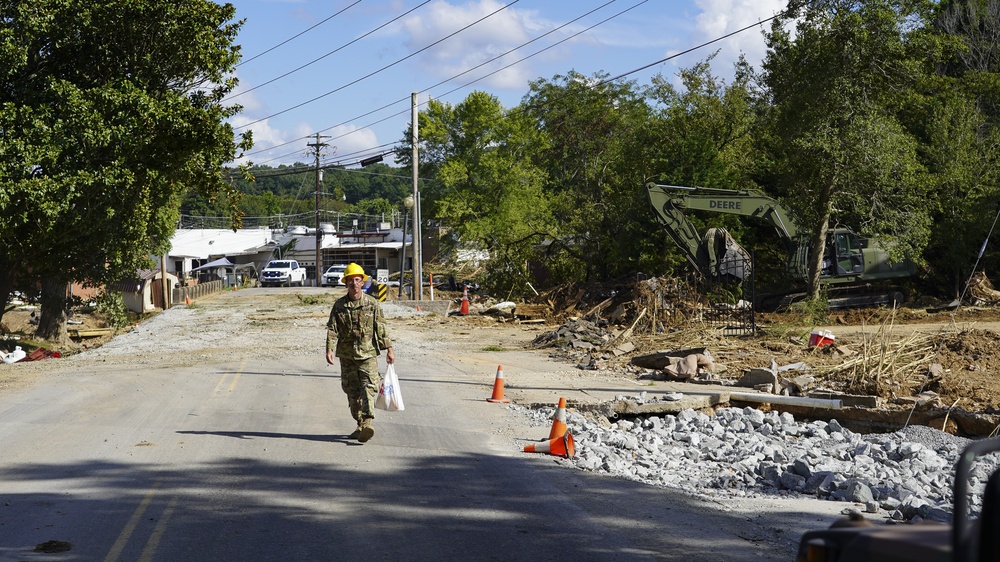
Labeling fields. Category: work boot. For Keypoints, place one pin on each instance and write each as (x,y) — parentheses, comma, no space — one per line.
(366,430)
(355,434)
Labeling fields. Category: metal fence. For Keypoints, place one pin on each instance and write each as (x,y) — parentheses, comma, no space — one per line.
(725,303)
(729,303)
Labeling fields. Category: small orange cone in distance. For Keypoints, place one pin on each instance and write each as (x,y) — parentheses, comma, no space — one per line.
(559,420)
(560,446)
(187,299)
(498,387)
(464,311)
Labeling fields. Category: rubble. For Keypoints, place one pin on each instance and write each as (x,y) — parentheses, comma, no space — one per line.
(744,452)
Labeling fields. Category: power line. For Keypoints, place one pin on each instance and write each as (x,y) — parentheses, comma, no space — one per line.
(605,81)
(370,74)
(501,69)
(296,35)
(705,44)
(602,22)
(407,98)
(331,52)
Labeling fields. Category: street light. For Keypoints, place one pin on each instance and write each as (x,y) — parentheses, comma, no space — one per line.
(408,204)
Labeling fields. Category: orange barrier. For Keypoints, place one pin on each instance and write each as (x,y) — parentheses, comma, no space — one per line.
(560,446)
(559,420)
(498,387)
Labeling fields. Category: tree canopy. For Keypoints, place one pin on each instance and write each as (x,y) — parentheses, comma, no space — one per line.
(880,115)
(110,112)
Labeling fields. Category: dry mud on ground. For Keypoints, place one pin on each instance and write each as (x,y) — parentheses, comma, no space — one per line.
(883,353)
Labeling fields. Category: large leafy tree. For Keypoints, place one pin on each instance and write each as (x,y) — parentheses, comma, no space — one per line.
(836,86)
(110,110)
(705,134)
(595,162)
(486,185)
(957,118)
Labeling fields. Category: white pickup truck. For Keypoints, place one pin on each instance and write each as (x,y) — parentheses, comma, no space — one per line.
(282,272)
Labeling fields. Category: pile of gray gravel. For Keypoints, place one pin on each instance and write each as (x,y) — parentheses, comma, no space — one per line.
(907,475)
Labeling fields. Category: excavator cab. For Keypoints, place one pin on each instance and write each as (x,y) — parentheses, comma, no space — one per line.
(848,256)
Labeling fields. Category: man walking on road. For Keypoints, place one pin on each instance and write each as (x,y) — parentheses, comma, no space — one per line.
(356,333)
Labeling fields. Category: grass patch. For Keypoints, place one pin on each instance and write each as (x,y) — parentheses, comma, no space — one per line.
(314,299)
(492,348)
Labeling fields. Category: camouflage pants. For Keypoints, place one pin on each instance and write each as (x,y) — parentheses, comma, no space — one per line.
(360,381)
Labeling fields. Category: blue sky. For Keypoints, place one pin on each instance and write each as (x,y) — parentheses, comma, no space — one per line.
(346,68)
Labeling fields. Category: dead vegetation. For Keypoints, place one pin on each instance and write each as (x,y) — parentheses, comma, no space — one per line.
(943,362)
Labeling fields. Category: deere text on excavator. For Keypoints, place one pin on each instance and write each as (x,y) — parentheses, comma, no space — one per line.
(849,261)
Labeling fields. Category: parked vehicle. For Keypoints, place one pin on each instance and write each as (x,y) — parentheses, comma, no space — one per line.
(282,273)
(333,275)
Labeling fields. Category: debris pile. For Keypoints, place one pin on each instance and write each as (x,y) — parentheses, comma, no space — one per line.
(905,476)
(584,343)
(981,290)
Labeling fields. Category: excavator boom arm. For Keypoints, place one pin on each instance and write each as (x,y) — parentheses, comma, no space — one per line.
(727,201)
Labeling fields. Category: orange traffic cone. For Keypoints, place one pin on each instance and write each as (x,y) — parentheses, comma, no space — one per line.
(560,447)
(498,387)
(464,311)
(187,300)
(559,420)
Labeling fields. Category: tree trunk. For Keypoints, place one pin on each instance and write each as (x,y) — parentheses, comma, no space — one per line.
(52,323)
(818,243)
(6,286)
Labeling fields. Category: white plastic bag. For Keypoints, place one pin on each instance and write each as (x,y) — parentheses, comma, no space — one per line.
(390,398)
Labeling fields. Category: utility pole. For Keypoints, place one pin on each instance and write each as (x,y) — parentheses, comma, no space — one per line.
(418,270)
(316,146)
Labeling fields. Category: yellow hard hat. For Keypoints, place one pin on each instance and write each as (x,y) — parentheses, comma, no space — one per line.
(352,270)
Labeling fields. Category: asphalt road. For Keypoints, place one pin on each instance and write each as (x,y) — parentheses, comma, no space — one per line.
(217,432)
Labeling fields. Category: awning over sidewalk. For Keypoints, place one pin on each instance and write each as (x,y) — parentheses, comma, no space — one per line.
(221,262)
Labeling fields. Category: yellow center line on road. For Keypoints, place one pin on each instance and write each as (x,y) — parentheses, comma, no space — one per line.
(236,379)
(126,534)
(157,534)
(232,381)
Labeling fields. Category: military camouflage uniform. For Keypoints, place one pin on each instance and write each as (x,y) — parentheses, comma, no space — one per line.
(354,330)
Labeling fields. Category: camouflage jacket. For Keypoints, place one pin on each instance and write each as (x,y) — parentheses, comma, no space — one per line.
(356,329)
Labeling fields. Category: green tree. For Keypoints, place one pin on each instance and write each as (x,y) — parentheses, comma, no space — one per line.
(487,188)
(956,119)
(836,86)
(703,134)
(109,112)
(595,160)
(377,206)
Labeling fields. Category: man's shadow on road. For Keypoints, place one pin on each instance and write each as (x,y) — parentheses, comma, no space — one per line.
(305,437)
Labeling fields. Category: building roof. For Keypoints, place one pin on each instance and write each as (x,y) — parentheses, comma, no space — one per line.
(210,243)
(205,243)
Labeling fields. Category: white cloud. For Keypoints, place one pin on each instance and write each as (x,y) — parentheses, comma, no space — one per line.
(349,140)
(470,48)
(719,17)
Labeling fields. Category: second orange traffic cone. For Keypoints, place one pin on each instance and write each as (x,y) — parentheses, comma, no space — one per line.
(559,420)
(560,446)
(498,387)
(187,300)
(464,311)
